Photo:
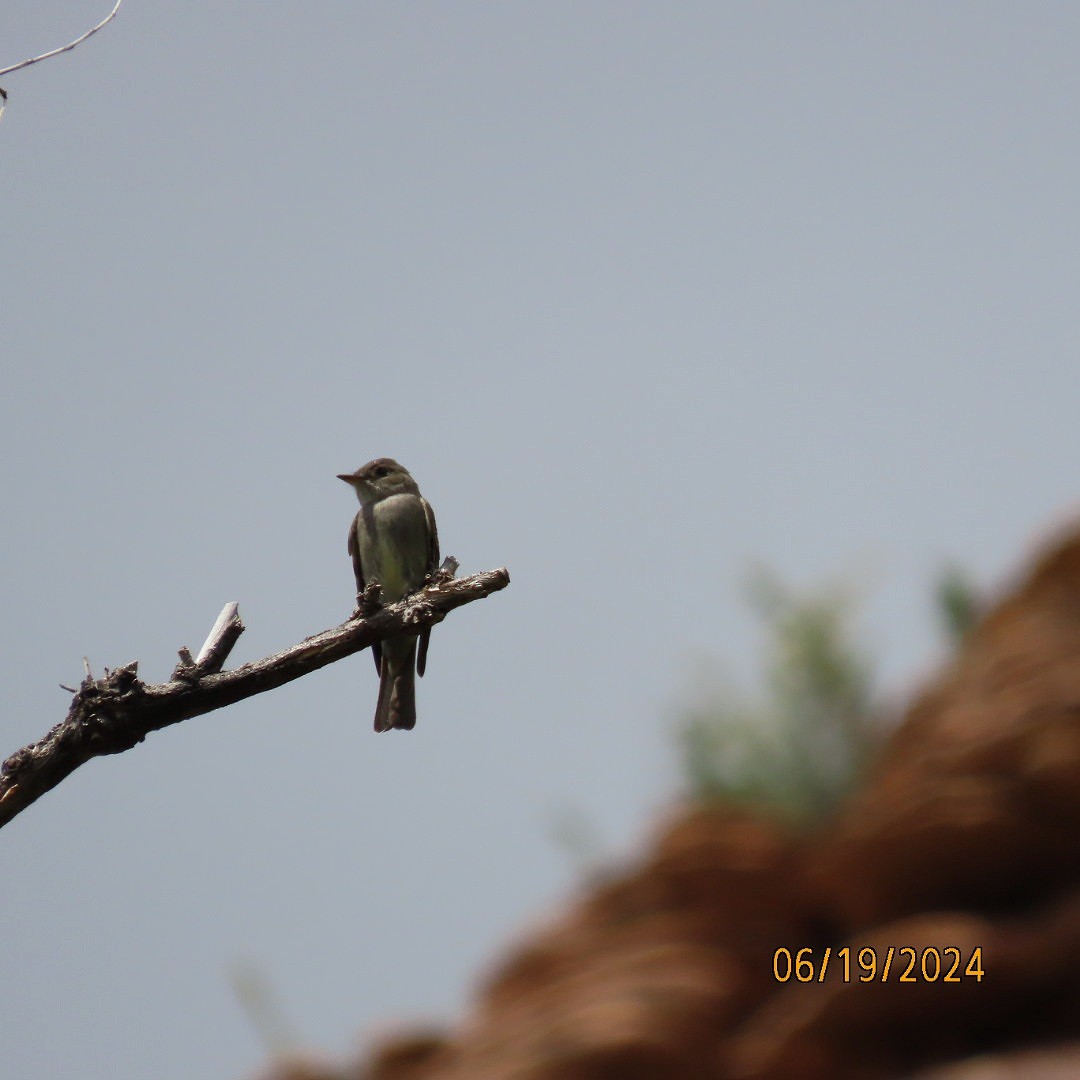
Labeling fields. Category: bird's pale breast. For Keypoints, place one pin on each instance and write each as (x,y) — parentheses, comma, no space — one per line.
(393,538)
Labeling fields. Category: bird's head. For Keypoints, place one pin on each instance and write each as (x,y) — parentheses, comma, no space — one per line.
(379,479)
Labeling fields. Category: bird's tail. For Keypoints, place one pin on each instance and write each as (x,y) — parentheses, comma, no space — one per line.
(396,707)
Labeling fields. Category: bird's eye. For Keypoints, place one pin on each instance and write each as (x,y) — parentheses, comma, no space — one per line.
(382,471)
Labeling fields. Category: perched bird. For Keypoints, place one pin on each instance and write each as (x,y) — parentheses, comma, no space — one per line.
(393,541)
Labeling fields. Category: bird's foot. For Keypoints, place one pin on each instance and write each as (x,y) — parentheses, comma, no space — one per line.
(367,602)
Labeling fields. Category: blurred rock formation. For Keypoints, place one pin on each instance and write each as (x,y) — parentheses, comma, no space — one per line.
(966,835)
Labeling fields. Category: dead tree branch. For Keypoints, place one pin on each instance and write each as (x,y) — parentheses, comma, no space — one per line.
(63,48)
(115,713)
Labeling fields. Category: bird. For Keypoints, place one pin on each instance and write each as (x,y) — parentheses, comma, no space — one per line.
(393,541)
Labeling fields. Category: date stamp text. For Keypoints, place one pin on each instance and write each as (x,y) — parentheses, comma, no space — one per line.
(904,964)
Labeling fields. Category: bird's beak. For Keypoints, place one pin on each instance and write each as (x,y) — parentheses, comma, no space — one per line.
(347,477)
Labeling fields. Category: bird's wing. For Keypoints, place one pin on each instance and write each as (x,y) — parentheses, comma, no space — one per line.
(358,572)
(432,566)
(433,537)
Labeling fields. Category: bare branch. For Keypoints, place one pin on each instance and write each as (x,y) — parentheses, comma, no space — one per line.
(63,48)
(115,713)
(223,637)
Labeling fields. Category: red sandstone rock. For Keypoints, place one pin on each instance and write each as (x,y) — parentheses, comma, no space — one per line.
(966,834)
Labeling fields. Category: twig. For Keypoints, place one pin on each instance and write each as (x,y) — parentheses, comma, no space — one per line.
(115,713)
(222,638)
(215,651)
(63,48)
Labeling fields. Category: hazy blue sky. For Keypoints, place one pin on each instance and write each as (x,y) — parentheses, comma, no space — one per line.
(639,292)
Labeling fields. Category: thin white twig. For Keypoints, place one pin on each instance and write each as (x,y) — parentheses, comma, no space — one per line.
(218,645)
(63,48)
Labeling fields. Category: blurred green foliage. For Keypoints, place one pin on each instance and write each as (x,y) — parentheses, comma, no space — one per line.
(799,749)
(802,746)
(958,603)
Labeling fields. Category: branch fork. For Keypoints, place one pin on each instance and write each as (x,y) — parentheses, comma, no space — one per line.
(115,713)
